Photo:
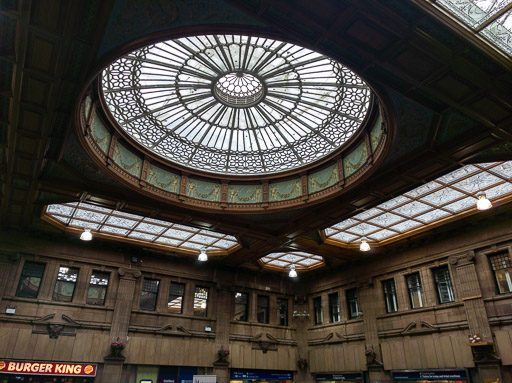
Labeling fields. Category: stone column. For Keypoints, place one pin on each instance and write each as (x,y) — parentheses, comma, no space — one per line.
(223,309)
(484,354)
(370,306)
(301,321)
(112,371)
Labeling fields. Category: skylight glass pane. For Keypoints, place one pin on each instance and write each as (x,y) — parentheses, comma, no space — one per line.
(209,101)
(499,32)
(84,224)
(474,12)
(114,230)
(278,263)
(444,203)
(298,258)
(138,227)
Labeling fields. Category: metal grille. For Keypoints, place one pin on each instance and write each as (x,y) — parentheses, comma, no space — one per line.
(32,269)
(150,285)
(500,261)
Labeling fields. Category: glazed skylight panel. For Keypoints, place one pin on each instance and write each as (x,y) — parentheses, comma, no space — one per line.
(492,19)
(131,226)
(299,259)
(444,198)
(235,104)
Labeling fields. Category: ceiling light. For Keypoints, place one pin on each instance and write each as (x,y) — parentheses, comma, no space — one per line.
(364,246)
(203,257)
(483,203)
(292,273)
(86,235)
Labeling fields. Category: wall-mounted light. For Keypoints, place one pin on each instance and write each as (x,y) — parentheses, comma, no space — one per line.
(203,257)
(10,310)
(292,273)
(207,329)
(483,203)
(86,235)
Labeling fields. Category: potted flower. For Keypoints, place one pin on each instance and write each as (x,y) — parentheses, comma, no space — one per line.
(116,347)
(370,355)
(302,363)
(223,353)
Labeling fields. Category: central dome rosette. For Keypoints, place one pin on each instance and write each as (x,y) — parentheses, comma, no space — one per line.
(235,105)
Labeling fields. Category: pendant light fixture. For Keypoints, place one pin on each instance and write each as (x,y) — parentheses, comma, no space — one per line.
(364,246)
(86,235)
(203,257)
(483,203)
(292,273)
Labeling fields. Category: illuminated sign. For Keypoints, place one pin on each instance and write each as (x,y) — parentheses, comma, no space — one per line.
(430,375)
(46,368)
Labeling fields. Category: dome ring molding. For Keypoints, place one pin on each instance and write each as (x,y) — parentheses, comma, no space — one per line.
(227,193)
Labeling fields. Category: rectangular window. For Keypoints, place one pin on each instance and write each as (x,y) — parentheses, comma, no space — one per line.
(201,302)
(30,280)
(262,309)
(317,308)
(415,290)
(97,288)
(282,305)
(176,294)
(65,285)
(149,294)
(443,285)
(502,267)
(352,303)
(334,307)
(390,295)
(241,307)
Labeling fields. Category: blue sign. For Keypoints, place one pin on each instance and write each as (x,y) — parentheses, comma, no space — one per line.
(260,375)
(430,375)
(186,374)
(357,376)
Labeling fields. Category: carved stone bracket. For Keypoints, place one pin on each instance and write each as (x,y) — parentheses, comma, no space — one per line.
(484,352)
(54,329)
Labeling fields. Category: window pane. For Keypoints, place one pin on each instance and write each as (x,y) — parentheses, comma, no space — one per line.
(353,306)
(241,307)
(176,294)
(390,295)
(334,307)
(30,280)
(97,288)
(282,304)
(443,285)
(262,313)
(149,294)
(317,305)
(201,302)
(415,290)
(502,267)
(65,285)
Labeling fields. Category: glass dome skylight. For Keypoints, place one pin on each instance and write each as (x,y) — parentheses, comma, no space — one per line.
(235,105)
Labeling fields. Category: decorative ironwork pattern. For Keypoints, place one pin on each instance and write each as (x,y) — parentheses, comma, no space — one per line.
(441,199)
(492,19)
(235,105)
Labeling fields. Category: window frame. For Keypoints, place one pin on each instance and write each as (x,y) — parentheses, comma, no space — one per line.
(102,287)
(318,314)
(283,314)
(184,285)
(22,276)
(245,316)
(418,290)
(449,284)
(507,270)
(334,307)
(391,305)
(60,282)
(350,300)
(142,290)
(201,312)
(266,309)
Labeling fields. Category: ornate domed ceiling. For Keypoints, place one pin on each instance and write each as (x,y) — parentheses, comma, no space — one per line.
(235,105)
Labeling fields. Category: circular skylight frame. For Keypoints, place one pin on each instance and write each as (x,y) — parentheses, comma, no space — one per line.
(345,105)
